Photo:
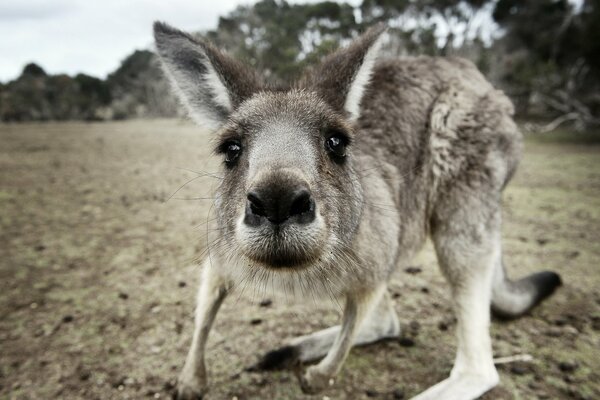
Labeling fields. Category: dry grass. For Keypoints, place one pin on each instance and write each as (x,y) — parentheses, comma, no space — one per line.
(97,276)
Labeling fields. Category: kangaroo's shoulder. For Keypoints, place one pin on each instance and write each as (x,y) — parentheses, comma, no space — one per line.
(404,91)
(444,110)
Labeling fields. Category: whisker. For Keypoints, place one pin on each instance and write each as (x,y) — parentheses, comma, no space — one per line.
(199,175)
(193,198)
(202,173)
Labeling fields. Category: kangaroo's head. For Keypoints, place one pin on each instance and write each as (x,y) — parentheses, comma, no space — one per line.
(290,195)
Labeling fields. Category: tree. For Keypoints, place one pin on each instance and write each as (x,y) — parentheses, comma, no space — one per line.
(281,38)
(434,27)
(555,56)
(33,69)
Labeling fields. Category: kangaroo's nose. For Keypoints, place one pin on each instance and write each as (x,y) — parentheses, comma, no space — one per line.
(278,204)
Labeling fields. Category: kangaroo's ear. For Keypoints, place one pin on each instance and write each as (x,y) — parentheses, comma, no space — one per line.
(343,76)
(209,83)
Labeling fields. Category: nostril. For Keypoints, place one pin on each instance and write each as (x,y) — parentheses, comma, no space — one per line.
(256,204)
(302,203)
(278,204)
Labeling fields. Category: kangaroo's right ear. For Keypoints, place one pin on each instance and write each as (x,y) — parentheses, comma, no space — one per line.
(209,83)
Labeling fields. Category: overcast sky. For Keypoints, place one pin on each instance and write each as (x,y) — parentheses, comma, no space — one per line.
(93,36)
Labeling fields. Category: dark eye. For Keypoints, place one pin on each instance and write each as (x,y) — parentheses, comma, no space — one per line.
(232,152)
(336,146)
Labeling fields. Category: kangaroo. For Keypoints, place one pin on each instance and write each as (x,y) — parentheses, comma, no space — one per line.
(333,182)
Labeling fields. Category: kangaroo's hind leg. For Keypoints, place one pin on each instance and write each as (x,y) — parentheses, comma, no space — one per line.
(466,236)
(380,323)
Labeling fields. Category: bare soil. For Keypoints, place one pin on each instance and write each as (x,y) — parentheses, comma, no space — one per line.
(98,275)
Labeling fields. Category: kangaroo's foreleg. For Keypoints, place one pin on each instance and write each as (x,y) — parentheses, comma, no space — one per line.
(357,307)
(381,323)
(192,382)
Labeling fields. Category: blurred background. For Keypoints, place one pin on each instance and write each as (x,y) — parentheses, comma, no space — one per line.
(69,60)
(106,199)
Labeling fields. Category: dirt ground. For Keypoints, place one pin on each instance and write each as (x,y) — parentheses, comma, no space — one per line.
(98,276)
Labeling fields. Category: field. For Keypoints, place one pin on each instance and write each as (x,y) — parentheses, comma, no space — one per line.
(98,276)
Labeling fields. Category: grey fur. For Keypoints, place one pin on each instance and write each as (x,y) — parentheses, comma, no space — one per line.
(432,148)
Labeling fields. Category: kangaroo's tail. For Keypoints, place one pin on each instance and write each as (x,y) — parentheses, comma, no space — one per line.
(511,299)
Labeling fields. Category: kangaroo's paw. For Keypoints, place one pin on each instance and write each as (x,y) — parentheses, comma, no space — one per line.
(190,387)
(460,387)
(185,392)
(313,381)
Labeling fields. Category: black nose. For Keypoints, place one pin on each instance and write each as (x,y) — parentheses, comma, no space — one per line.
(278,205)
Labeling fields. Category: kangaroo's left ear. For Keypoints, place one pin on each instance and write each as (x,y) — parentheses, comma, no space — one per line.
(343,76)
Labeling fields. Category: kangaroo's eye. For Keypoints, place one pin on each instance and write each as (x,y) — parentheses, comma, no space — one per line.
(232,152)
(336,146)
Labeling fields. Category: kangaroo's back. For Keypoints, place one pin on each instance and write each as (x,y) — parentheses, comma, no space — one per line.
(438,120)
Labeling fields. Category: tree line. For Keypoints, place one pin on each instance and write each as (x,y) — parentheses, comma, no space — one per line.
(545,54)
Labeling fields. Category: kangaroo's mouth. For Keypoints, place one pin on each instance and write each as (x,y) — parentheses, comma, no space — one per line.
(283,252)
(287,247)
(282,260)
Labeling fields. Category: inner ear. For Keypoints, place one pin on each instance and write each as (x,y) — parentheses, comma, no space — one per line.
(209,83)
(343,76)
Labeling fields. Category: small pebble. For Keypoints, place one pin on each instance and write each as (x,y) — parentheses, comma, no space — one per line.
(442,326)
(567,366)
(178,327)
(414,327)
(169,385)
(560,321)
(596,323)
(265,303)
(84,375)
(571,330)
(554,332)
(518,370)
(413,270)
